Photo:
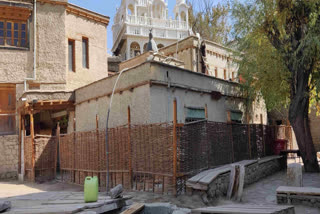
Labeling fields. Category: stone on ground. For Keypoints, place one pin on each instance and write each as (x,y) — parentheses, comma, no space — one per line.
(294,175)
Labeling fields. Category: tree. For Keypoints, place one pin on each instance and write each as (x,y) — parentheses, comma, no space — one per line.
(280,45)
(210,20)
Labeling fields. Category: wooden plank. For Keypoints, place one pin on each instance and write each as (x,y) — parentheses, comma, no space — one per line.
(299,190)
(244,209)
(134,209)
(206,180)
(269,158)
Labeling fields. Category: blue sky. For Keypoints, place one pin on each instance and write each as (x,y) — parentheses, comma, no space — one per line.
(108,8)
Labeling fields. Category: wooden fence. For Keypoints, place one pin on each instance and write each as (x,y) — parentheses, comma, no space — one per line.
(143,157)
(140,157)
(40,158)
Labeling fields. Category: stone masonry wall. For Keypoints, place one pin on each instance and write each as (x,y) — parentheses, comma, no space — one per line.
(253,173)
(9,157)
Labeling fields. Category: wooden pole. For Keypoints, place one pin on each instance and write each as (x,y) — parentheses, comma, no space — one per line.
(175,146)
(206,111)
(98,142)
(74,149)
(19,148)
(262,129)
(56,155)
(33,177)
(228,117)
(129,148)
(23,135)
(249,137)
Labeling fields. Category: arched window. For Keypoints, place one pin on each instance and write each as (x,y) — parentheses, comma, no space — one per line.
(145,47)
(130,9)
(160,46)
(134,49)
(183,16)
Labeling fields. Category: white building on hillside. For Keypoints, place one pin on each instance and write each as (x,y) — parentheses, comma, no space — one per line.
(135,18)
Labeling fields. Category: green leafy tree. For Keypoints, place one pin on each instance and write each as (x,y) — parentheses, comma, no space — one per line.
(279,42)
(210,20)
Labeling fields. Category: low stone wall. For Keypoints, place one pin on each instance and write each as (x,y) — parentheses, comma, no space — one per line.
(9,157)
(253,173)
(261,169)
(310,201)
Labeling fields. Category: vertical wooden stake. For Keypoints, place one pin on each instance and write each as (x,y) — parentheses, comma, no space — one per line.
(175,146)
(228,117)
(33,177)
(129,148)
(19,148)
(56,155)
(74,149)
(249,137)
(98,142)
(206,111)
(262,129)
(24,147)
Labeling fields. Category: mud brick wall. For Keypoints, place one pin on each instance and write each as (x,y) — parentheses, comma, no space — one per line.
(9,157)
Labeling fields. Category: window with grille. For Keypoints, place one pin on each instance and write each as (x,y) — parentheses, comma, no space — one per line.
(13,33)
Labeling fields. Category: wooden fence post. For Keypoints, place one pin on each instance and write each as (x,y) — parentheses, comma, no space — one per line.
(263,141)
(20,141)
(206,111)
(175,146)
(56,155)
(129,148)
(249,136)
(98,142)
(33,176)
(74,149)
(24,143)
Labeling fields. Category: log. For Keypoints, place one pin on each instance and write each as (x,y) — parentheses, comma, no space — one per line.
(116,192)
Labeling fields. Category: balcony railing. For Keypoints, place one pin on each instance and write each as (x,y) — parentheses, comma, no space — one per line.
(140,25)
(159,23)
(160,33)
(143,2)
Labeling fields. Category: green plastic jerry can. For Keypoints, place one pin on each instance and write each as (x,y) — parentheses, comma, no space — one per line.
(91,189)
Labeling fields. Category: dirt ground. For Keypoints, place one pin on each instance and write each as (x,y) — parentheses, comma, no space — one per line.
(260,193)
(263,192)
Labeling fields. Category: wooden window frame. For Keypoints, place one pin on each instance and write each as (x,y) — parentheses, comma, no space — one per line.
(86,40)
(12,30)
(225,74)
(216,72)
(8,108)
(73,55)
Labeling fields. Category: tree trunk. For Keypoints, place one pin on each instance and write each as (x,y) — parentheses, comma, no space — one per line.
(299,119)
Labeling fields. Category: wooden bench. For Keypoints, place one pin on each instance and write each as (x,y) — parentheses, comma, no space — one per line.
(299,195)
(245,209)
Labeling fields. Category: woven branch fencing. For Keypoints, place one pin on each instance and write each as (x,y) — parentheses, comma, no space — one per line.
(141,157)
(44,153)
